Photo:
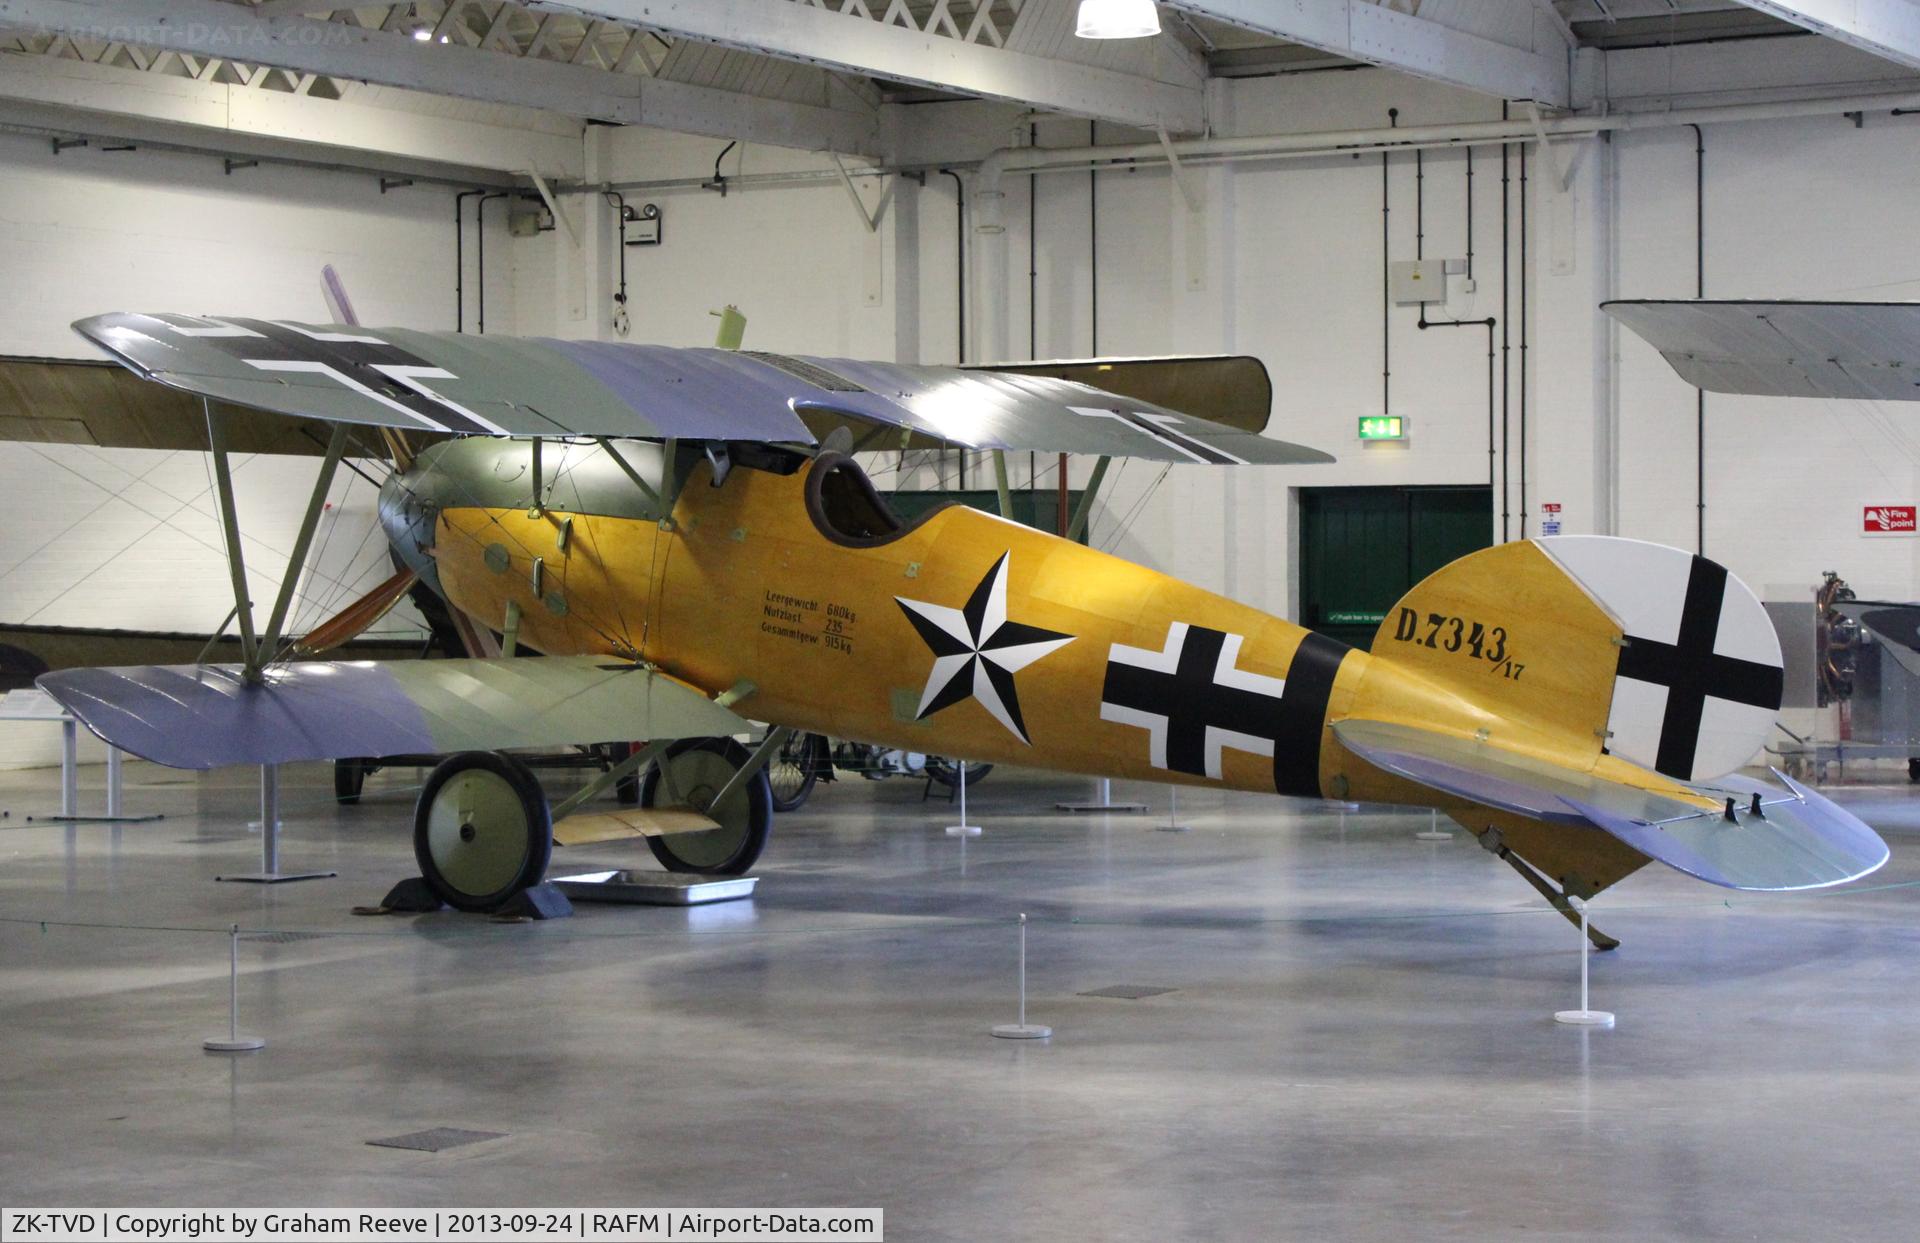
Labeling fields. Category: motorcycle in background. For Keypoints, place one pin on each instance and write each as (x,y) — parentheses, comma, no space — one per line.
(807,759)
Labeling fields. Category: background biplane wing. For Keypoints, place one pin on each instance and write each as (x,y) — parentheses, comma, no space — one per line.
(1895,623)
(206,716)
(1862,350)
(1795,839)
(523,386)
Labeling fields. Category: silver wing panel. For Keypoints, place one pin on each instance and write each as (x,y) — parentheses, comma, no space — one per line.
(527,386)
(1862,350)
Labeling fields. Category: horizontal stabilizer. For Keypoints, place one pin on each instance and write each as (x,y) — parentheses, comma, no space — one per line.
(1794,839)
(1869,351)
(436,382)
(1509,780)
(205,716)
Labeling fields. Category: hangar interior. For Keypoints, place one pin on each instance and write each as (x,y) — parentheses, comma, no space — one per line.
(1410,209)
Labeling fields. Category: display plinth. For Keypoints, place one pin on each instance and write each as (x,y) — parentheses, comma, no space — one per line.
(654,888)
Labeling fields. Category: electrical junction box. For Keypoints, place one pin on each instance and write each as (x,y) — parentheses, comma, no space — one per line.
(1413,281)
(528,221)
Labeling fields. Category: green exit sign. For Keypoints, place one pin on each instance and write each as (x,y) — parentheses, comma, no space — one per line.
(1383,427)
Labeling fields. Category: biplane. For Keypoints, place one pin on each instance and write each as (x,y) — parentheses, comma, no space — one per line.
(664,544)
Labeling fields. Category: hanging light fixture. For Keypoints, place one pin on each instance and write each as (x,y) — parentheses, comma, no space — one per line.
(1117,19)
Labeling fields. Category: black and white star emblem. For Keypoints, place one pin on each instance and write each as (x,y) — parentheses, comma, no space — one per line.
(976,650)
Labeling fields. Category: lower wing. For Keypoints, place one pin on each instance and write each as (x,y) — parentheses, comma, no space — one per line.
(206,716)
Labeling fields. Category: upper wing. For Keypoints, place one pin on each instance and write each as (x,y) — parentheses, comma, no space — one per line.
(88,402)
(525,386)
(1866,350)
(1230,389)
(1796,840)
(204,716)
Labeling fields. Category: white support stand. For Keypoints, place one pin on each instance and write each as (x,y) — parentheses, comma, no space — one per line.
(1173,824)
(1584,1017)
(1022,1030)
(34,704)
(233,1042)
(1433,832)
(964,828)
(1103,803)
(113,782)
(270,873)
(69,768)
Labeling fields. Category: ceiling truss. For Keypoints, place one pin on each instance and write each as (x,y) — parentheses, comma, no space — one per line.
(509,29)
(578,65)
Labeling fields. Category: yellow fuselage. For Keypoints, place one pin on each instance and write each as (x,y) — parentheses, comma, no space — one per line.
(744,585)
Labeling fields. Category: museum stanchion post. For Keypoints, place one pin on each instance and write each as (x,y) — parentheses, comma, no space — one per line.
(1585,1016)
(1022,1030)
(965,828)
(233,1041)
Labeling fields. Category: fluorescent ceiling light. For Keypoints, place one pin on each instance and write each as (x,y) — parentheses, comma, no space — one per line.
(1117,19)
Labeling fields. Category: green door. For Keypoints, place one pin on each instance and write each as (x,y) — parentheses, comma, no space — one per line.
(1361,549)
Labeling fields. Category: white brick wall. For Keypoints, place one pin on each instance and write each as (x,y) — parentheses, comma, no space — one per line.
(128,538)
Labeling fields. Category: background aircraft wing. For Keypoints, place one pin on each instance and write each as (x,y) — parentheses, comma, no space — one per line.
(523,386)
(1796,840)
(1862,350)
(1896,624)
(205,716)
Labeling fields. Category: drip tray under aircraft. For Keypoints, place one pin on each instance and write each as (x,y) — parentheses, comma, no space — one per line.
(654,888)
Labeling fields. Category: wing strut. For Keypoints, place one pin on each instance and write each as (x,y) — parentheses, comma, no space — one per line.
(258,649)
(1084,509)
(1000,485)
(230,523)
(297,559)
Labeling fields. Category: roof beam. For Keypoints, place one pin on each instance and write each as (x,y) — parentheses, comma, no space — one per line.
(57,95)
(850,42)
(1886,28)
(1421,46)
(210,28)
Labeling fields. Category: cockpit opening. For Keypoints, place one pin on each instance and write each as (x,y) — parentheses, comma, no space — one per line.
(847,508)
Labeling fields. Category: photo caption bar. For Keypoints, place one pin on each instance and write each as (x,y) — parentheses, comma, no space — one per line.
(442,1225)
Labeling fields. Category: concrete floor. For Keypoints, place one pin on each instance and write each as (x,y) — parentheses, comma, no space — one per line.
(1359,1044)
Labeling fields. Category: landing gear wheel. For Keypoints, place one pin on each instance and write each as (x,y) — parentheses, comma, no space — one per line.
(947,773)
(481,830)
(349,778)
(792,772)
(694,771)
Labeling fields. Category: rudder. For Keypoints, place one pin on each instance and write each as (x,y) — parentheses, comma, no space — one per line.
(1661,656)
